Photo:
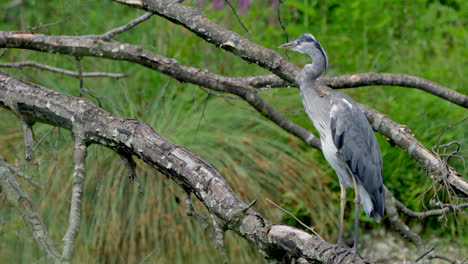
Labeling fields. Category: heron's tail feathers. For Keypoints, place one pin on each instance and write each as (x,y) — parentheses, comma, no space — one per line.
(373,202)
(378,201)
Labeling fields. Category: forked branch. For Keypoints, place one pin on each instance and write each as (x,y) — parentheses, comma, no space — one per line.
(14,193)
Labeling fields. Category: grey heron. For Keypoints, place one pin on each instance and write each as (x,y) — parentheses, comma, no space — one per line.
(347,140)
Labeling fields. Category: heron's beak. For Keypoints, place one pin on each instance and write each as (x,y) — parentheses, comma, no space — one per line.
(289,45)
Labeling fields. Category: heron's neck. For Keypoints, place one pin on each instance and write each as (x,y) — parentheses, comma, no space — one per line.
(312,72)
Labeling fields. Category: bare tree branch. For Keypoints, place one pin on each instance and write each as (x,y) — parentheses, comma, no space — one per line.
(12,189)
(48,24)
(95,125)
(111,33)
(448,259)
(28,136)
(438,212)
(59,70)
(20,174)
(372,78)
(79,158)
(194,20)
(364,79)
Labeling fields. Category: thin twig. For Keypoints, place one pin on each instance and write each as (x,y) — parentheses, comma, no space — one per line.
(111,33)
(425,253)
(48,25)
(22,64)
(80,73)
(220,95)
(421,215)
(398,224)
(12,189)
(19,173)
(446,258)
(237,16)
(299,221)
(13,4)
(42,139)
(278,15)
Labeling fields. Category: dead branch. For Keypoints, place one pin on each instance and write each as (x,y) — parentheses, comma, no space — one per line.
(28,136)
(426,251)
(20,174)
(364,79)
(391,79)
(17,197)
(111,33)
(194,20)
(91,124)
(79,158)
(23,64)
(48,24)
(438,212)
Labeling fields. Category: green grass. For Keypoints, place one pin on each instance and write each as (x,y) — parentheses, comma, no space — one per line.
(258,159)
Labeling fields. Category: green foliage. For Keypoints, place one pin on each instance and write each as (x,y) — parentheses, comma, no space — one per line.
(421,38)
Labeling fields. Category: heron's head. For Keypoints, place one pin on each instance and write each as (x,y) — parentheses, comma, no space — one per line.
(308,44)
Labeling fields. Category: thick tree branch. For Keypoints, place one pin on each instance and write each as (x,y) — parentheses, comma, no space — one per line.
(189,171)
(22,64)
(12,189)
(373,78)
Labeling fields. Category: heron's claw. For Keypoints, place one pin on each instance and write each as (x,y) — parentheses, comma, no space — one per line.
(342,251)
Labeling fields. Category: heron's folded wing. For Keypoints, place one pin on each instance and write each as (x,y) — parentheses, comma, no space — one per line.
(357,145)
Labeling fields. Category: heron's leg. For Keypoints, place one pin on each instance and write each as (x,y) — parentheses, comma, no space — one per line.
(357,201)
(342,207)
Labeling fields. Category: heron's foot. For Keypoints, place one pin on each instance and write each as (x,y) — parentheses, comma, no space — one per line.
(342,251)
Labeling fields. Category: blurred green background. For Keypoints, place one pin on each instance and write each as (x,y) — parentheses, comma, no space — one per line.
(425,38)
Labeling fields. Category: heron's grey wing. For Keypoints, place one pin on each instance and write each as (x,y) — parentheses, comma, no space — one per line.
(357,145)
